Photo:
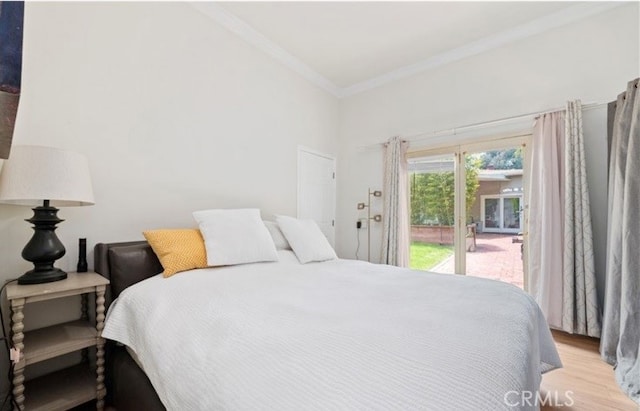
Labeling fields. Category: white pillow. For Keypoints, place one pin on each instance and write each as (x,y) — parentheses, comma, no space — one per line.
(276,234)
(235,236)
(287,257)
(306,239)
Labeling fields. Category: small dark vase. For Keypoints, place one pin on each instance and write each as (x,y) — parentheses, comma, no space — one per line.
(82,256)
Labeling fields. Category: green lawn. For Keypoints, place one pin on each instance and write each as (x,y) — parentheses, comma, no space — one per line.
(425,256)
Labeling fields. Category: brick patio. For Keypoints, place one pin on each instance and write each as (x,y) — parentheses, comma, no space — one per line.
(496,257)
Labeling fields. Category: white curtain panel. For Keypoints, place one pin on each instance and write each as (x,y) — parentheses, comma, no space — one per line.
(561,268)
(546,205)
(579,298)
(620,342)
(395,234)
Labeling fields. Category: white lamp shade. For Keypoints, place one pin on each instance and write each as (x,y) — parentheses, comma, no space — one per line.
(34,173)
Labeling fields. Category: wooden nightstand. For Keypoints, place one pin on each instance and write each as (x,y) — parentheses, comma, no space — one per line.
(72,386)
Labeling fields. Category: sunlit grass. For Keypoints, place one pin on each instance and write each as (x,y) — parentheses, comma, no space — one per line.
(425,256)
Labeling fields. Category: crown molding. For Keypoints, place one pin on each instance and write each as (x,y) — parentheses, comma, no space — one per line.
(537,26)
(255,38)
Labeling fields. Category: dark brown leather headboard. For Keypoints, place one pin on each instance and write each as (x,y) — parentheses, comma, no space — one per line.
(125,264)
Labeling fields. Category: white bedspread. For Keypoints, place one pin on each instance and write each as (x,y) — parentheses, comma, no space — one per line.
(334,335)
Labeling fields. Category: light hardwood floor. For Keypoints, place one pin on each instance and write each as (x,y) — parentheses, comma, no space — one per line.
(586,379)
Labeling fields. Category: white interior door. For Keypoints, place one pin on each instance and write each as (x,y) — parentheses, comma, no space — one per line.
(317,190)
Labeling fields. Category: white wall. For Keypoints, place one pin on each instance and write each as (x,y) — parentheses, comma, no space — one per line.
(591,60)
(174,114)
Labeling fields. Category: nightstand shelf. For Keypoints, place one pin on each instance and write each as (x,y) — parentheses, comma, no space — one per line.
(50,342)
(61,390)
(72,386)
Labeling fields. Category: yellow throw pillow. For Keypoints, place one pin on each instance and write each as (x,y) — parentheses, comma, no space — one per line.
(178,249)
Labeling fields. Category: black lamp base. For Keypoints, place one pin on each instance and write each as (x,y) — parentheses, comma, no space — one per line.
(44,248)
(39,277)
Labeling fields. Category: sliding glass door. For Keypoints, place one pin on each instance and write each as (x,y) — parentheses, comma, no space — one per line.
(501,213)
(468,209)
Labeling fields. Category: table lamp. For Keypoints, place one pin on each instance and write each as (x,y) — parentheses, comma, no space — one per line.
(46,178)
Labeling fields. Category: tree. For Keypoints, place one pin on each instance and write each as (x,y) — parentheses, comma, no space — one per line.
(419,184)
(472,165)
(432,194)
(501,159)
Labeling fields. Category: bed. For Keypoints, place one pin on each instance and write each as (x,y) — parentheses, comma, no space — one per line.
(339,334)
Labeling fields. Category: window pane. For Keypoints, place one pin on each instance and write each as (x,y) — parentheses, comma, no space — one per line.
(493,248)
(432,190)
(511,213)
(492,213)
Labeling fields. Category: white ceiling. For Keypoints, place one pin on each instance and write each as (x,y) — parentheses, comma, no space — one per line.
(348,47)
